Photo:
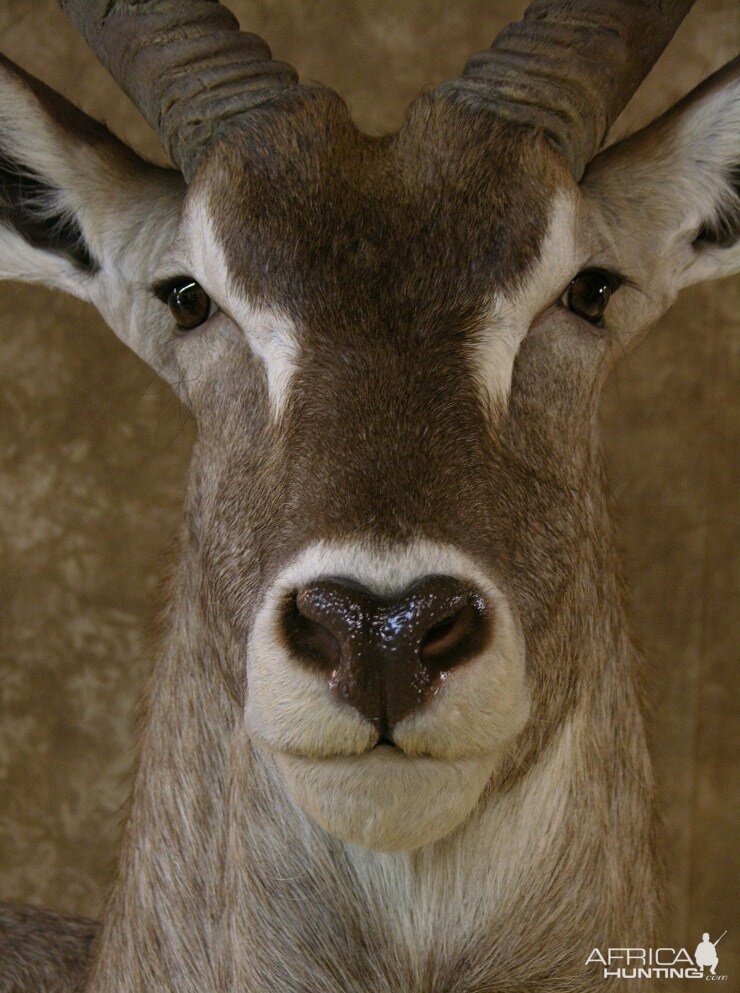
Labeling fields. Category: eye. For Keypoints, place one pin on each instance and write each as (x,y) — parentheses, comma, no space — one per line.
(589,293)
(189,303)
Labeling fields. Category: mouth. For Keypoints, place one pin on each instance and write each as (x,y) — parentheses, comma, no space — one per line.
(385,799)
(384,747)
(363,755)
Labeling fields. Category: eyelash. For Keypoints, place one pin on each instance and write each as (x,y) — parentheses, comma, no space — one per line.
(164,287)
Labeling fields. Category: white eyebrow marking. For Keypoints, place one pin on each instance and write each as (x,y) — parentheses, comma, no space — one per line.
(272,337)
(510,316)
(270,332)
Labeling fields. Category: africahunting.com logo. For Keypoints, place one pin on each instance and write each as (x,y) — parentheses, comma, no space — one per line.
(660,963)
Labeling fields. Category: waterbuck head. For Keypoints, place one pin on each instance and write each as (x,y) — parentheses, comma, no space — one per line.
(393,349)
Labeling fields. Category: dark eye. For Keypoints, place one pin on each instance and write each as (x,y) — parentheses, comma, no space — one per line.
(589,293)
(189,303)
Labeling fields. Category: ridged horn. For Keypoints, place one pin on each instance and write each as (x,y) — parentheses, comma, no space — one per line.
(569,67)
(184,63)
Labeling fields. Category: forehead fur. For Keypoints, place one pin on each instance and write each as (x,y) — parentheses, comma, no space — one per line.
(389,234)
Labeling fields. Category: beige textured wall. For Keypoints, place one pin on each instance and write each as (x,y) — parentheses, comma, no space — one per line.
(93,454)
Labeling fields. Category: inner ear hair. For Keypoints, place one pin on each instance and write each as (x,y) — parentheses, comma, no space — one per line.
(723,230)
(34,209)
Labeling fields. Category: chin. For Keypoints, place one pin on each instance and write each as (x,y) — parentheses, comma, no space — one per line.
(385,800)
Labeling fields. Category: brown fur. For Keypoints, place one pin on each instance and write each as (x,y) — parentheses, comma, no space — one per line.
(43,951)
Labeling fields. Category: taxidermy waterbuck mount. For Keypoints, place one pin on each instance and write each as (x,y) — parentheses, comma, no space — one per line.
(394,741)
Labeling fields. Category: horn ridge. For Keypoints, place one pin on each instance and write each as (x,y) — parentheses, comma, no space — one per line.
(184,63)
(569,67)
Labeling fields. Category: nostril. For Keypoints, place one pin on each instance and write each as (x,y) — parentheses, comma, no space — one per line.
(308,637)
(443,638)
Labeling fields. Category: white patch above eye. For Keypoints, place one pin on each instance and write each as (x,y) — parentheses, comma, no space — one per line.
(272,337)
(271,334)
(510,315)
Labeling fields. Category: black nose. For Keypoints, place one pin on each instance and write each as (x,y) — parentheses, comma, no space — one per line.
(386,656)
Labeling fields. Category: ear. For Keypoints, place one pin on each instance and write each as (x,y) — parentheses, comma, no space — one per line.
(664,204)
(79,211)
